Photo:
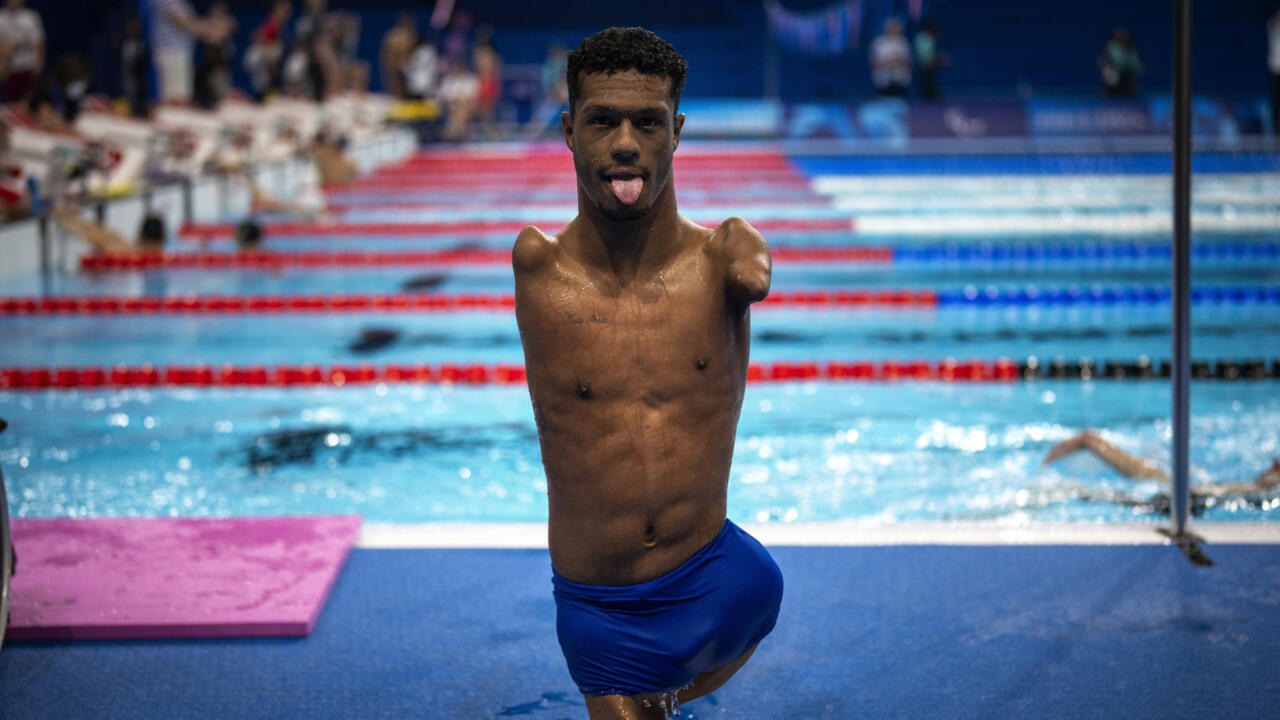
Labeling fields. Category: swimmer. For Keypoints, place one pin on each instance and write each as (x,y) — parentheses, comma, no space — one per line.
(635,326)
(1203,495)
(108,242)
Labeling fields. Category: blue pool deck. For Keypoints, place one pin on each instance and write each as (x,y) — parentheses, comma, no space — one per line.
(887,631)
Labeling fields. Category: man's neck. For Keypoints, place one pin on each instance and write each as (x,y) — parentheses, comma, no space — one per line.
(631,249)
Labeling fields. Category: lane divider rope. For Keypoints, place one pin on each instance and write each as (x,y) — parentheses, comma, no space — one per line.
(404,302)
(214,261)
(950,253)
(280,230)
(946,370)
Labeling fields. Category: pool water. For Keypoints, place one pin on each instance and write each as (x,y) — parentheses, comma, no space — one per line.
(806,451)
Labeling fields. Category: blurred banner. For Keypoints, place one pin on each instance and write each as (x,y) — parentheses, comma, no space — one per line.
(898,120)
(820,33)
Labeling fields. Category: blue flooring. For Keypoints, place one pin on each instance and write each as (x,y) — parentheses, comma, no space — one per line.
(885,632)
(1039,164)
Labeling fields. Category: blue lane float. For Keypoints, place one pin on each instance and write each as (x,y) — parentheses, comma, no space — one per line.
(1104,295)
(1049,253)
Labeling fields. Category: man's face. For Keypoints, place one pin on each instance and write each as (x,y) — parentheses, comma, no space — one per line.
(623,133)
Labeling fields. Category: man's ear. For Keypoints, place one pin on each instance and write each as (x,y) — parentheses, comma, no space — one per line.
(677,126)
(566,125)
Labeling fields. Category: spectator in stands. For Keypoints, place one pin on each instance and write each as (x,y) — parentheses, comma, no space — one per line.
(421,72)
(458,92)
(21,50)
(555,93)
(1273,63)
(213,70)
(488,66)
(151,234)
(1202,495)
(398,45)
(15,203)
(891,60)
(1120,65)
(929,60)
(262,59)
(174,28)
(71,77)
(135,58)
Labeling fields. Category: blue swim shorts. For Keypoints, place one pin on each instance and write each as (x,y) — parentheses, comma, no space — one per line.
(659,635)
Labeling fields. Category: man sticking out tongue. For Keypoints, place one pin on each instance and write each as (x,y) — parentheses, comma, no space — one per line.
(635,325)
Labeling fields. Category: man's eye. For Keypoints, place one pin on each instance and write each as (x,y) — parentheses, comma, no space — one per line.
(649,122)
(598,120)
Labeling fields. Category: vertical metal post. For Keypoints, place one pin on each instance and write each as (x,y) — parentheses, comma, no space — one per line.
(1181,291)
(188,206)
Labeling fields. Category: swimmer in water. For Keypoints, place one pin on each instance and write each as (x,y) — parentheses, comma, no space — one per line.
(1203,495)
(634,322)
(108,242)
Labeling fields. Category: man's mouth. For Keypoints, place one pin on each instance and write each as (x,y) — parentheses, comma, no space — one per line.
(626,185)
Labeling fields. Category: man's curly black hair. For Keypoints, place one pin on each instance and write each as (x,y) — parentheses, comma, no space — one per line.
(621,49)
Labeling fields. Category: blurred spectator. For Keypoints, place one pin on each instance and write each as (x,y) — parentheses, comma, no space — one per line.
(891,60)
(14,203)
(1120,65)
(488,66)
(398,45)
(71,78)
(174,28)
(930,60)
(457,42)
(21,50)
(135,58)
(213,71)
(458,92)
(1273,62)
(555,93)
(266,52)
(421,72)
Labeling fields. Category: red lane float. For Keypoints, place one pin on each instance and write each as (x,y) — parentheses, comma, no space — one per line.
(399,302)
(281,230)
(229,261)
(307,375)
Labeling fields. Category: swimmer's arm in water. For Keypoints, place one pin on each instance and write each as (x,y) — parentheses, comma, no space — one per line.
(1128,465)
(748,265)
(104,239)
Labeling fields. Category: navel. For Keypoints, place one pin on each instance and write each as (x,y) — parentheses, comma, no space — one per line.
(650,537)
(701,363)
(584,389)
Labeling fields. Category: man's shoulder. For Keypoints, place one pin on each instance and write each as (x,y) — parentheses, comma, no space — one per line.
(735,230)
(531,250)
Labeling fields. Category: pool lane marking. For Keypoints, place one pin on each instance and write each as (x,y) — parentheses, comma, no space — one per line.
(300,376)
(203,232)
(836,534)
(936,253)
(996,224)
(1128,295)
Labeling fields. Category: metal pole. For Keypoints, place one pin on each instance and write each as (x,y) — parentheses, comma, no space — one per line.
(1181,375)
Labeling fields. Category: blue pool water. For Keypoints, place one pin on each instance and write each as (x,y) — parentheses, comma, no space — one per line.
(812,451)
(805,451)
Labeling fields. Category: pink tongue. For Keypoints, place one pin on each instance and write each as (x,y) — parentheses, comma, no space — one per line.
(628,191)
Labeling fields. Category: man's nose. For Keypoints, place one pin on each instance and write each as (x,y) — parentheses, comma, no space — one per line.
(625,146)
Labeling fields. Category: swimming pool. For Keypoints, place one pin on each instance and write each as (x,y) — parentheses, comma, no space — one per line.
(807,451)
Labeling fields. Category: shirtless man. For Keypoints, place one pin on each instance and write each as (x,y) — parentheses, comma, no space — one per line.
(1203,495)
(635,329)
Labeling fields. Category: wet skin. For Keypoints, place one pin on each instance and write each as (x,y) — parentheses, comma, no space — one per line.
(635,327)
